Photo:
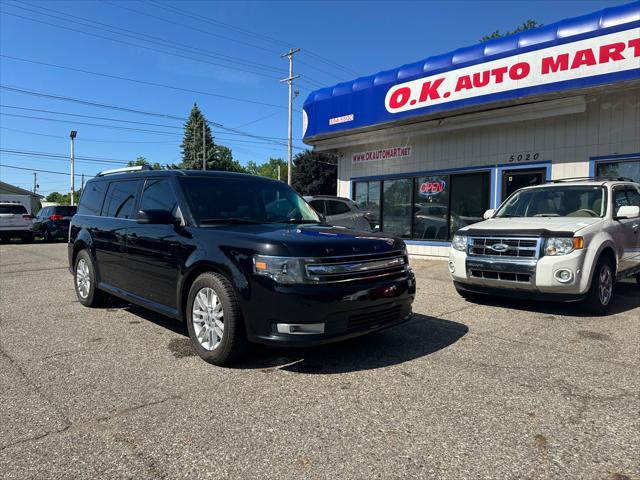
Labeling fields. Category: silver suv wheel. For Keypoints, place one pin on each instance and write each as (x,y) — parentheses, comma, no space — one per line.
(605,284)
(208,318)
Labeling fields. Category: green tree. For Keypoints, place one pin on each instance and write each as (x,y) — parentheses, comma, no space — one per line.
(528,25)
(218,157)
(63,198)
(315,173)
(140,161)
(268,169)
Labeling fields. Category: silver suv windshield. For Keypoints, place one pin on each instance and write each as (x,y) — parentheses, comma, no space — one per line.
(556,201)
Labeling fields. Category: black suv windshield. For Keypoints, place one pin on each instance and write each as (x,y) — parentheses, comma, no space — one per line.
(560,201)
(245,200)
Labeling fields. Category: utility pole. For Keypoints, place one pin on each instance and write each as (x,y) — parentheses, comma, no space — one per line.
(82,181)
(204,144)
(290,80)
(35,182)
(72,136)
(278,171)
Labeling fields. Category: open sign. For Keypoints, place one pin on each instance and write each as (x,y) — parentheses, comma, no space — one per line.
(432,187)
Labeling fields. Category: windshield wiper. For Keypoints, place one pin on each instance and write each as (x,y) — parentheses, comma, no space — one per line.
(244,221)
(293,220)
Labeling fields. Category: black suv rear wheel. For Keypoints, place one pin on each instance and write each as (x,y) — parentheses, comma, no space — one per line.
(85,282)
(214,320)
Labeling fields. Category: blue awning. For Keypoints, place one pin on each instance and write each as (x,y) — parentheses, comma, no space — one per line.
(595,49)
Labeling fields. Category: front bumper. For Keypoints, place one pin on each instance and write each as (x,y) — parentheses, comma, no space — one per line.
(512,275)
(346,310)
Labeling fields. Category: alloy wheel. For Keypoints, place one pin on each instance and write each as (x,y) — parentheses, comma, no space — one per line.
(207,316)
(605,284)
(83,279)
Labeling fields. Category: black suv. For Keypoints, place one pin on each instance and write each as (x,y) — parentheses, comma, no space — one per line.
(240,258)
(52,222)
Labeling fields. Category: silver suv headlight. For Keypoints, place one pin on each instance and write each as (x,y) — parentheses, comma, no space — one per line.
(562,245)
(284,270)
(459,243)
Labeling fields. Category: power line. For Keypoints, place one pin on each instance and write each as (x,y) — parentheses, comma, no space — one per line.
(143,82)
(66,174)
(62,156)
(66,135)
(200,60)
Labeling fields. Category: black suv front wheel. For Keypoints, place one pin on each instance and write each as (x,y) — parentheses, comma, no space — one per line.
(214,320)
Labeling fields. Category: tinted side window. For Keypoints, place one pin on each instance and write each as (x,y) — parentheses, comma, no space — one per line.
(44,213)
(65,211)
(92,197)
(158,195)
(619,199)
(318,206)
(336,208)
(633,196)
(120,199)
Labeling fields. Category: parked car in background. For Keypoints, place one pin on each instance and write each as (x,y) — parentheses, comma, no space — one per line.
(240,258)
(340,211)
(566,241)
(15,221)
(52,223)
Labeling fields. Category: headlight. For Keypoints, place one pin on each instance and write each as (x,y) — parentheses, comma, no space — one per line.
(284,270)
(562,246)
(459,243)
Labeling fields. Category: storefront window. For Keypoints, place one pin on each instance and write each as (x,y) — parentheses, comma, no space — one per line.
(367,198)
(614,170)
(469,199)
(396,207)
(431,208)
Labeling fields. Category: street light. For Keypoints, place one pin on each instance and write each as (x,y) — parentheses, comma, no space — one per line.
(72,136)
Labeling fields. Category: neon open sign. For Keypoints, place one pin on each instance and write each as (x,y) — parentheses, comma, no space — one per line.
(432,187)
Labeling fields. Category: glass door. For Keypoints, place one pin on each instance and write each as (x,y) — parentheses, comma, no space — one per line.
(516,179)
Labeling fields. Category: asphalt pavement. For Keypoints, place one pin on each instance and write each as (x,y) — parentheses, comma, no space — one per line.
(499,389)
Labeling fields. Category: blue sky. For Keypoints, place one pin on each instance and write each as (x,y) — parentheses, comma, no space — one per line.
(339,41)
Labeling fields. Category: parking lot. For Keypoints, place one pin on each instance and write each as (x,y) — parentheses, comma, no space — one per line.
(501,389)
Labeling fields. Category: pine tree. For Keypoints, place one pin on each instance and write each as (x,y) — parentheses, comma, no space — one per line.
(218,157)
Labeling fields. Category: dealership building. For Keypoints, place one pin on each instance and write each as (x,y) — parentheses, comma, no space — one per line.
(429,146)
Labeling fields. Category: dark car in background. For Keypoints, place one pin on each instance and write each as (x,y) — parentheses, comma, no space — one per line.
(240,258)
(341,211)
(52,222)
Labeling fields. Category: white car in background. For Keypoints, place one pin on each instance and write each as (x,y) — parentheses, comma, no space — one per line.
(15,221)
(341,211)
(564,241)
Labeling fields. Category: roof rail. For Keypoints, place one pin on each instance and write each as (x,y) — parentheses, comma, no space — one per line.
(572,179)
(137,168)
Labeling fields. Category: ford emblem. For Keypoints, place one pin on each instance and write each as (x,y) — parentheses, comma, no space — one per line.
(499,247)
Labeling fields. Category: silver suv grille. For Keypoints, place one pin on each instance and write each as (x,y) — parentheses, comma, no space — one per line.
(512,247)
(357,268)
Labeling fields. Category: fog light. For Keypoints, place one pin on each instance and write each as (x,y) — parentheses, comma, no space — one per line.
(563,276)
(452,267)
(300,328)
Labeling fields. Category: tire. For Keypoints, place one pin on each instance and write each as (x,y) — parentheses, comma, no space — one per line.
(86,291)
(46,236)
(601,291)
(218,334)
(27,238)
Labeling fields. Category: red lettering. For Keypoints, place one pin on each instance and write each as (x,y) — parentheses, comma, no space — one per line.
(612,51)
(583,57)
(635,44)
(550,64)
(519,71)
(464,83)
(478,82)
(430,90)
(498,73)
(400,97)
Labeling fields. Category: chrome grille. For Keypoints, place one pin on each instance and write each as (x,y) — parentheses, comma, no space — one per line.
(358,268)
(512,247)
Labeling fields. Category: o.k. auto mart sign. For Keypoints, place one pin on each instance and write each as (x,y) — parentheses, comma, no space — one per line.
(594,56)
(593,50)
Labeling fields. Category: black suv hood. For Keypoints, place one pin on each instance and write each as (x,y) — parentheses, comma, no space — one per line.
(301,240)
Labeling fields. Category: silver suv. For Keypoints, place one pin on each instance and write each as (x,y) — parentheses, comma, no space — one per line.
(566,241)
(15,221)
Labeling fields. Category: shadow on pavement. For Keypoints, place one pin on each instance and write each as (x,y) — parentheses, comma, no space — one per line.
(417,338)
(625,298)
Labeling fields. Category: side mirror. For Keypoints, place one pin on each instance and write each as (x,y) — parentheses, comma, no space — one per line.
(323,219)
(628,211)
(156,217)
(488,214)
